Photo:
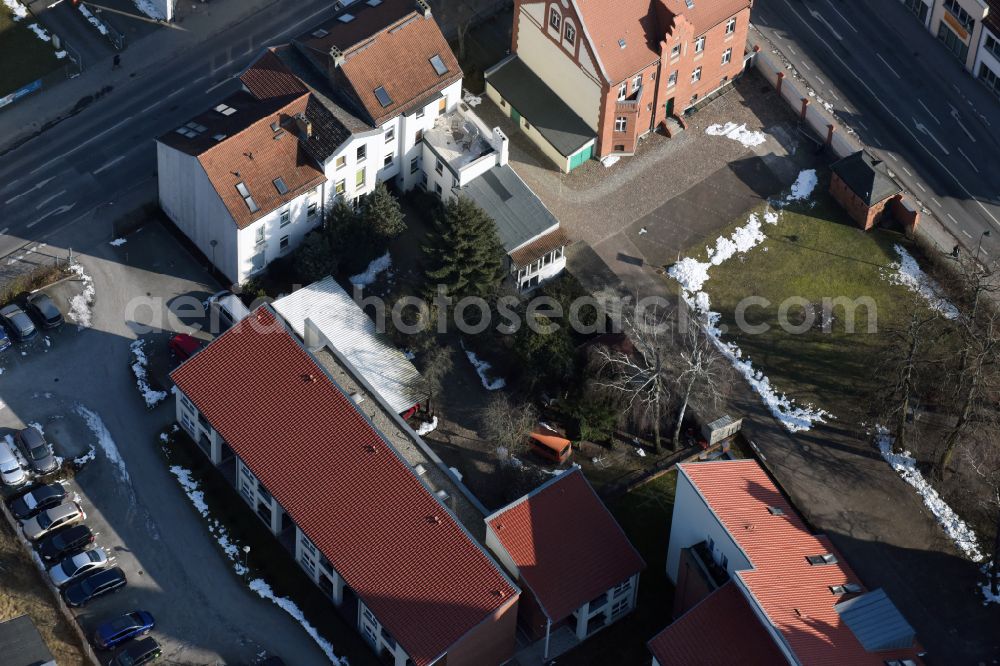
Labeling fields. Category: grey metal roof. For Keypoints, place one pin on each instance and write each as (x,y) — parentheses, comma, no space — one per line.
(867,177)
(22,645)
(876,622)
(520,216)
(344,326)
(535,101)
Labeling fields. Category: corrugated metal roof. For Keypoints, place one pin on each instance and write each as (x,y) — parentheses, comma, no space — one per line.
(395,544)
(345,327)
(876,621)
(520,216)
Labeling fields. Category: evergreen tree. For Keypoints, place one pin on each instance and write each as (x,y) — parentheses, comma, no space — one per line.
(464,253)
(381,213)
(314,259)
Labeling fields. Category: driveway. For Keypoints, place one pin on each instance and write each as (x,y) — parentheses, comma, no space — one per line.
(205,614)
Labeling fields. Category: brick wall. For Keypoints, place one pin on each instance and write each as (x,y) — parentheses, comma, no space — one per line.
(692,586)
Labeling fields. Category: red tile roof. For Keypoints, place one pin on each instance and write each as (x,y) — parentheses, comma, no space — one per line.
(631,20)
(706,14)
(393,543)
(268,77)
(567,546)
(389,46)
(793,594)
(721,629)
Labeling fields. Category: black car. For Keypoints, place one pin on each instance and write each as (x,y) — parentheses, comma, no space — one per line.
(38,499)
(64,542)
(43,310)
(37,450)
(94,585)
(139,652)
(18,324)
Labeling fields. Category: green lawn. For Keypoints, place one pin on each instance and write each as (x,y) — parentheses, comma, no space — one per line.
(23,55)
(645,514)
(813,253)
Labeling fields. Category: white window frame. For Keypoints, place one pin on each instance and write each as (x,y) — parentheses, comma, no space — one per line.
(696,75)
(727,56)
(672,79)
(260,235)
(731,26)
(622,90)
(569,33)
(699,44)
(555,18)
(636,83)
(621,124)
(285,217)
(390,134)
(675,52)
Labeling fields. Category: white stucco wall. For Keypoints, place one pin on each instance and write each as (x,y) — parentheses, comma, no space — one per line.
(985,56)
(555,67)
(694,522)
(300,223)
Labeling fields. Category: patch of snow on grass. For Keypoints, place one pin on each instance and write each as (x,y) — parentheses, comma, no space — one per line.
(906,466)
(375,268)
(740,133)
(118,242)
(105,441)
(265,592)
(988,596)
(907,272)
(80,305)
(803,186)
(94,21)
(151,396)
(41,32)
(86,457)
(17,9)
(427,426)
(149,9)
(483,370)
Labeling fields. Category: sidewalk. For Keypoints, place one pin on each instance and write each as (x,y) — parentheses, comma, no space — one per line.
(35,114)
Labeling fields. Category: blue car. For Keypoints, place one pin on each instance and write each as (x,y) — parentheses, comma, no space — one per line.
(123,628)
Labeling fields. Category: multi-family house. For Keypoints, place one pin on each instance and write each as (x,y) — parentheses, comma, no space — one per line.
(755,585)
(589,79)
(578,571)
(382,527)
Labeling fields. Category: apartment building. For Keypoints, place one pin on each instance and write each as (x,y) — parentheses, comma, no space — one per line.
(383,528)
(754,585)
(590,79)
(578,571)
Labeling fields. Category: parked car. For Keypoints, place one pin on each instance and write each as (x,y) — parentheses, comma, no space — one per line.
(37,499)
(37,450)
(94,585)
(225,310)
(18,323)
(11,471)
(184,346)
(65,542)
(74,566)
(50,520)
(113,633)
(4,339)
(44,311)
(140,652)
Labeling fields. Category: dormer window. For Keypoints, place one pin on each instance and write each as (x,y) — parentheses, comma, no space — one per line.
(555,20)
(820,560)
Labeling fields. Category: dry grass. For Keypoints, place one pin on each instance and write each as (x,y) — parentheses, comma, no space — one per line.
(25,593)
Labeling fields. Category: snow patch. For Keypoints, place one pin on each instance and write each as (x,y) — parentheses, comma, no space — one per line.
(105,441)
(41,32)
(483,369)
(80,461)
(610,160)
(739,133)
(375,268)
(81,304)
(988,596)
(151,396)
(906,272)
(118,242)
(265,592)
(17,9)
(906,466)
(428,426)
(149,9)
(93,20)
(803,186)
(471,100)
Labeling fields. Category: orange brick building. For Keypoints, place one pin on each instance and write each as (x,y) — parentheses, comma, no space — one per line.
(861,183)
(589,78)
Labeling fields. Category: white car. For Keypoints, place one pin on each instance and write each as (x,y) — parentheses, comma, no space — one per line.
(68,513)
(11,471)
(77,565)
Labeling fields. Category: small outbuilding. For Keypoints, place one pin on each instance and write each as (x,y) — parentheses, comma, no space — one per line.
(22,645)
(861,183)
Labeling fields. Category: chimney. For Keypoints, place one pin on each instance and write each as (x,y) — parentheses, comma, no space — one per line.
(337,56)
(502,145)
(305,126)
(424,8)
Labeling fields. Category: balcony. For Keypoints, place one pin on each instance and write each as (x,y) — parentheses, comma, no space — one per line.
(715,573)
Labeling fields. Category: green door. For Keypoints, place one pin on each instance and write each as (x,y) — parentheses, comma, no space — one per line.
(515,116)
(670,107)
(581,157)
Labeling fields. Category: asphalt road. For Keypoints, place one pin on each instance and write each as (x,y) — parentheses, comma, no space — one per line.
(84,162)
(907,98)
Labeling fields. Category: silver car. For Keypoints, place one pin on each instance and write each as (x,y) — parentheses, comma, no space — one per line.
(68,513)
(37,450)
(77,565)
(11,471)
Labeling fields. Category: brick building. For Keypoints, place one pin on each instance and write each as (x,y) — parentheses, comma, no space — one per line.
(589,78)
(862,185)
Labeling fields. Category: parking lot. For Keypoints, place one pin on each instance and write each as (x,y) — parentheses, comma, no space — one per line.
(77,385)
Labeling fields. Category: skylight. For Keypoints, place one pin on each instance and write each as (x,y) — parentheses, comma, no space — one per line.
(689,3)
(320,33)
(275,126)
(225,109)
(776,511)
(826,558)
(439,65)
(374,3)
(242,189)
(247,199)
(846,588)
(621,43)
(279,184)
(346,18)
(383,97)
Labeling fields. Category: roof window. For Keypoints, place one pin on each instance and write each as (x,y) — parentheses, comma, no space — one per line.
(846,588)
(439,65)
(775,511)
(689,3)
(275,126)
(383,97)
(621,43)
(346,18)
(319,34)
(374,3)
(247,199)
(825,558)
(279,184)
(225,109)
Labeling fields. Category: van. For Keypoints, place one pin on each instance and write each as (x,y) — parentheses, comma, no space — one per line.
(225,310)
(550,447)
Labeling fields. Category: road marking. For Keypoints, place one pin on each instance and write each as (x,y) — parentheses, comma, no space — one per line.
(109,164)
(936,202)
(922,188)
(958,119)
(966,233)
(219,84)
(39,185)
(893,156)
(151,107)
(907,171)
(837,12)
(792,51)
(835,96)
(821,81)
(4,230)
(886,63)
(59,194)
(822,19)
(54,211)
(806,65)
(952,218)
(863,125)
(929,112)
(88,141)
(920,127)
(968,160)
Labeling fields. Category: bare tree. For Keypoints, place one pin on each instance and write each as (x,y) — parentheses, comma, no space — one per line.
(463,31)
(703,370)
(437,363)
(643,377)
(507,424)
(985,460)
